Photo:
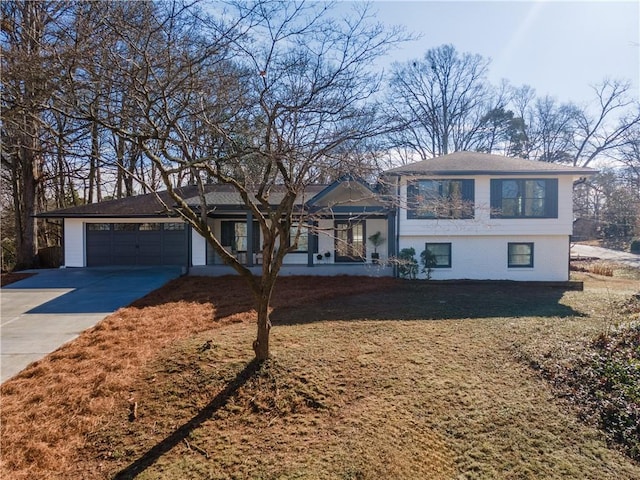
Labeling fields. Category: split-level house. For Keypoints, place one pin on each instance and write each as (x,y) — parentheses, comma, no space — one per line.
(480,216)
(487,216)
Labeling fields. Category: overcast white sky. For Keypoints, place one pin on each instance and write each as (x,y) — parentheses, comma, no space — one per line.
(559,48)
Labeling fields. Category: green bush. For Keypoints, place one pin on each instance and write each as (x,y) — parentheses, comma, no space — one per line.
(407,263)
(428,261)
(635,245)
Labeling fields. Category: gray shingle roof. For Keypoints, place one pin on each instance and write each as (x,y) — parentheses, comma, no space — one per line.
(228,196)
(474,163)
(148,205)
(136,206)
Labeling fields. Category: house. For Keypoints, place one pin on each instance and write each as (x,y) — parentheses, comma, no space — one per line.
(485,216)
(141,230)
(480,216)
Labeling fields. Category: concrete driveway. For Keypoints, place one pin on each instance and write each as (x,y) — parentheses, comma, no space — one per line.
(43,312)
(625,258)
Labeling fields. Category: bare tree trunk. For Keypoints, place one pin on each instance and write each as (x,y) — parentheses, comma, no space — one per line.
(24,202)
(94,160)
(261,343)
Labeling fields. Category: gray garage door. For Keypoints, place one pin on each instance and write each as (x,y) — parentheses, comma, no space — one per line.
(136,244)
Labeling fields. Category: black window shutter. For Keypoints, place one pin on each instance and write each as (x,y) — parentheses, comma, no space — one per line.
(551,198)
(228,235)
(468,190)
(412,193)
(496,198)
(257,246)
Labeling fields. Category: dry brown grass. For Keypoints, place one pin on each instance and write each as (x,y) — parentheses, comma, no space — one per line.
(49,409)
(371,378)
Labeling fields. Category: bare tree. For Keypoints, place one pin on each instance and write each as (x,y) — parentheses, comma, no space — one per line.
(550,130)
(615,115)
(441,100)
(32,46)
(260,102)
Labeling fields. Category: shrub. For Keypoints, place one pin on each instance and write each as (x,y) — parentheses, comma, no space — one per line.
(635,245)
(407,263)
(428,261)
(601,269)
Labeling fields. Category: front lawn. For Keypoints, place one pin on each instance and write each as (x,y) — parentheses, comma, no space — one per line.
(370,378)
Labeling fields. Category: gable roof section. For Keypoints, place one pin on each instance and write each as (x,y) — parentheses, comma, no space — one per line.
(356,189)
(475,163)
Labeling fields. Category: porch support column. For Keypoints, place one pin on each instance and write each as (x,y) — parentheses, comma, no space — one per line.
(391,234)
(312,242)
(249,239)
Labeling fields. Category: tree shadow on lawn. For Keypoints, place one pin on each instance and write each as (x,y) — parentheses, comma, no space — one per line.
(181,433)
(420,300)
(310,299)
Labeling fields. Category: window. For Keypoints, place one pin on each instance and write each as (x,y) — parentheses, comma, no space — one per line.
(303,238)
(99,227)
(520,255)
(234,235)
(350,241)
(441,254)
(174,226)
(440,199)
(150,227)
(125,227)
(524,198)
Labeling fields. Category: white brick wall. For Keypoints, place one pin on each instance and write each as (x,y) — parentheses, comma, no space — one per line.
(485,257)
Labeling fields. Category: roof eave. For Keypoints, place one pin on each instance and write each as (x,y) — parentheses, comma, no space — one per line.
(469,173)
(104,215)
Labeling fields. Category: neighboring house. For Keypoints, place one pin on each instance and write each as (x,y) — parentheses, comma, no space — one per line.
(481,216)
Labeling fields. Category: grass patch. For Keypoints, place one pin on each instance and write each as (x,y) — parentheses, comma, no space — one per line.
(602,379)
(370,378)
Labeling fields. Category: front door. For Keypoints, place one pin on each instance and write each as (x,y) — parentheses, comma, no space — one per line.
(350,241)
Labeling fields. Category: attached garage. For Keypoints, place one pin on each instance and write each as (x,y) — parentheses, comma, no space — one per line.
(149,243)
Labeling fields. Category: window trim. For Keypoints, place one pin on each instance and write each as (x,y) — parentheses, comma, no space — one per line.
(305,232)
(450,255)
(519,265)
(467,191)
(550,198)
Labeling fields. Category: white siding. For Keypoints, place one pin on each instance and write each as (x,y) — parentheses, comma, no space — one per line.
(326,240)
(74,246)
(377,225)
(479,245)
(483,224)
(485,257)
(198,249)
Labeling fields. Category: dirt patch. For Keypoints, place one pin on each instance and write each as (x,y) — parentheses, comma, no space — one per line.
(10,277)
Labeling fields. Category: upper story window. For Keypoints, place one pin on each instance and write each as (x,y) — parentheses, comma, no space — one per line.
(524,198)
(440,199)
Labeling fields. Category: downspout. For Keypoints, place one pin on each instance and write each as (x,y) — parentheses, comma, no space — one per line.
(189,250)
(397,219)
(569,261)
